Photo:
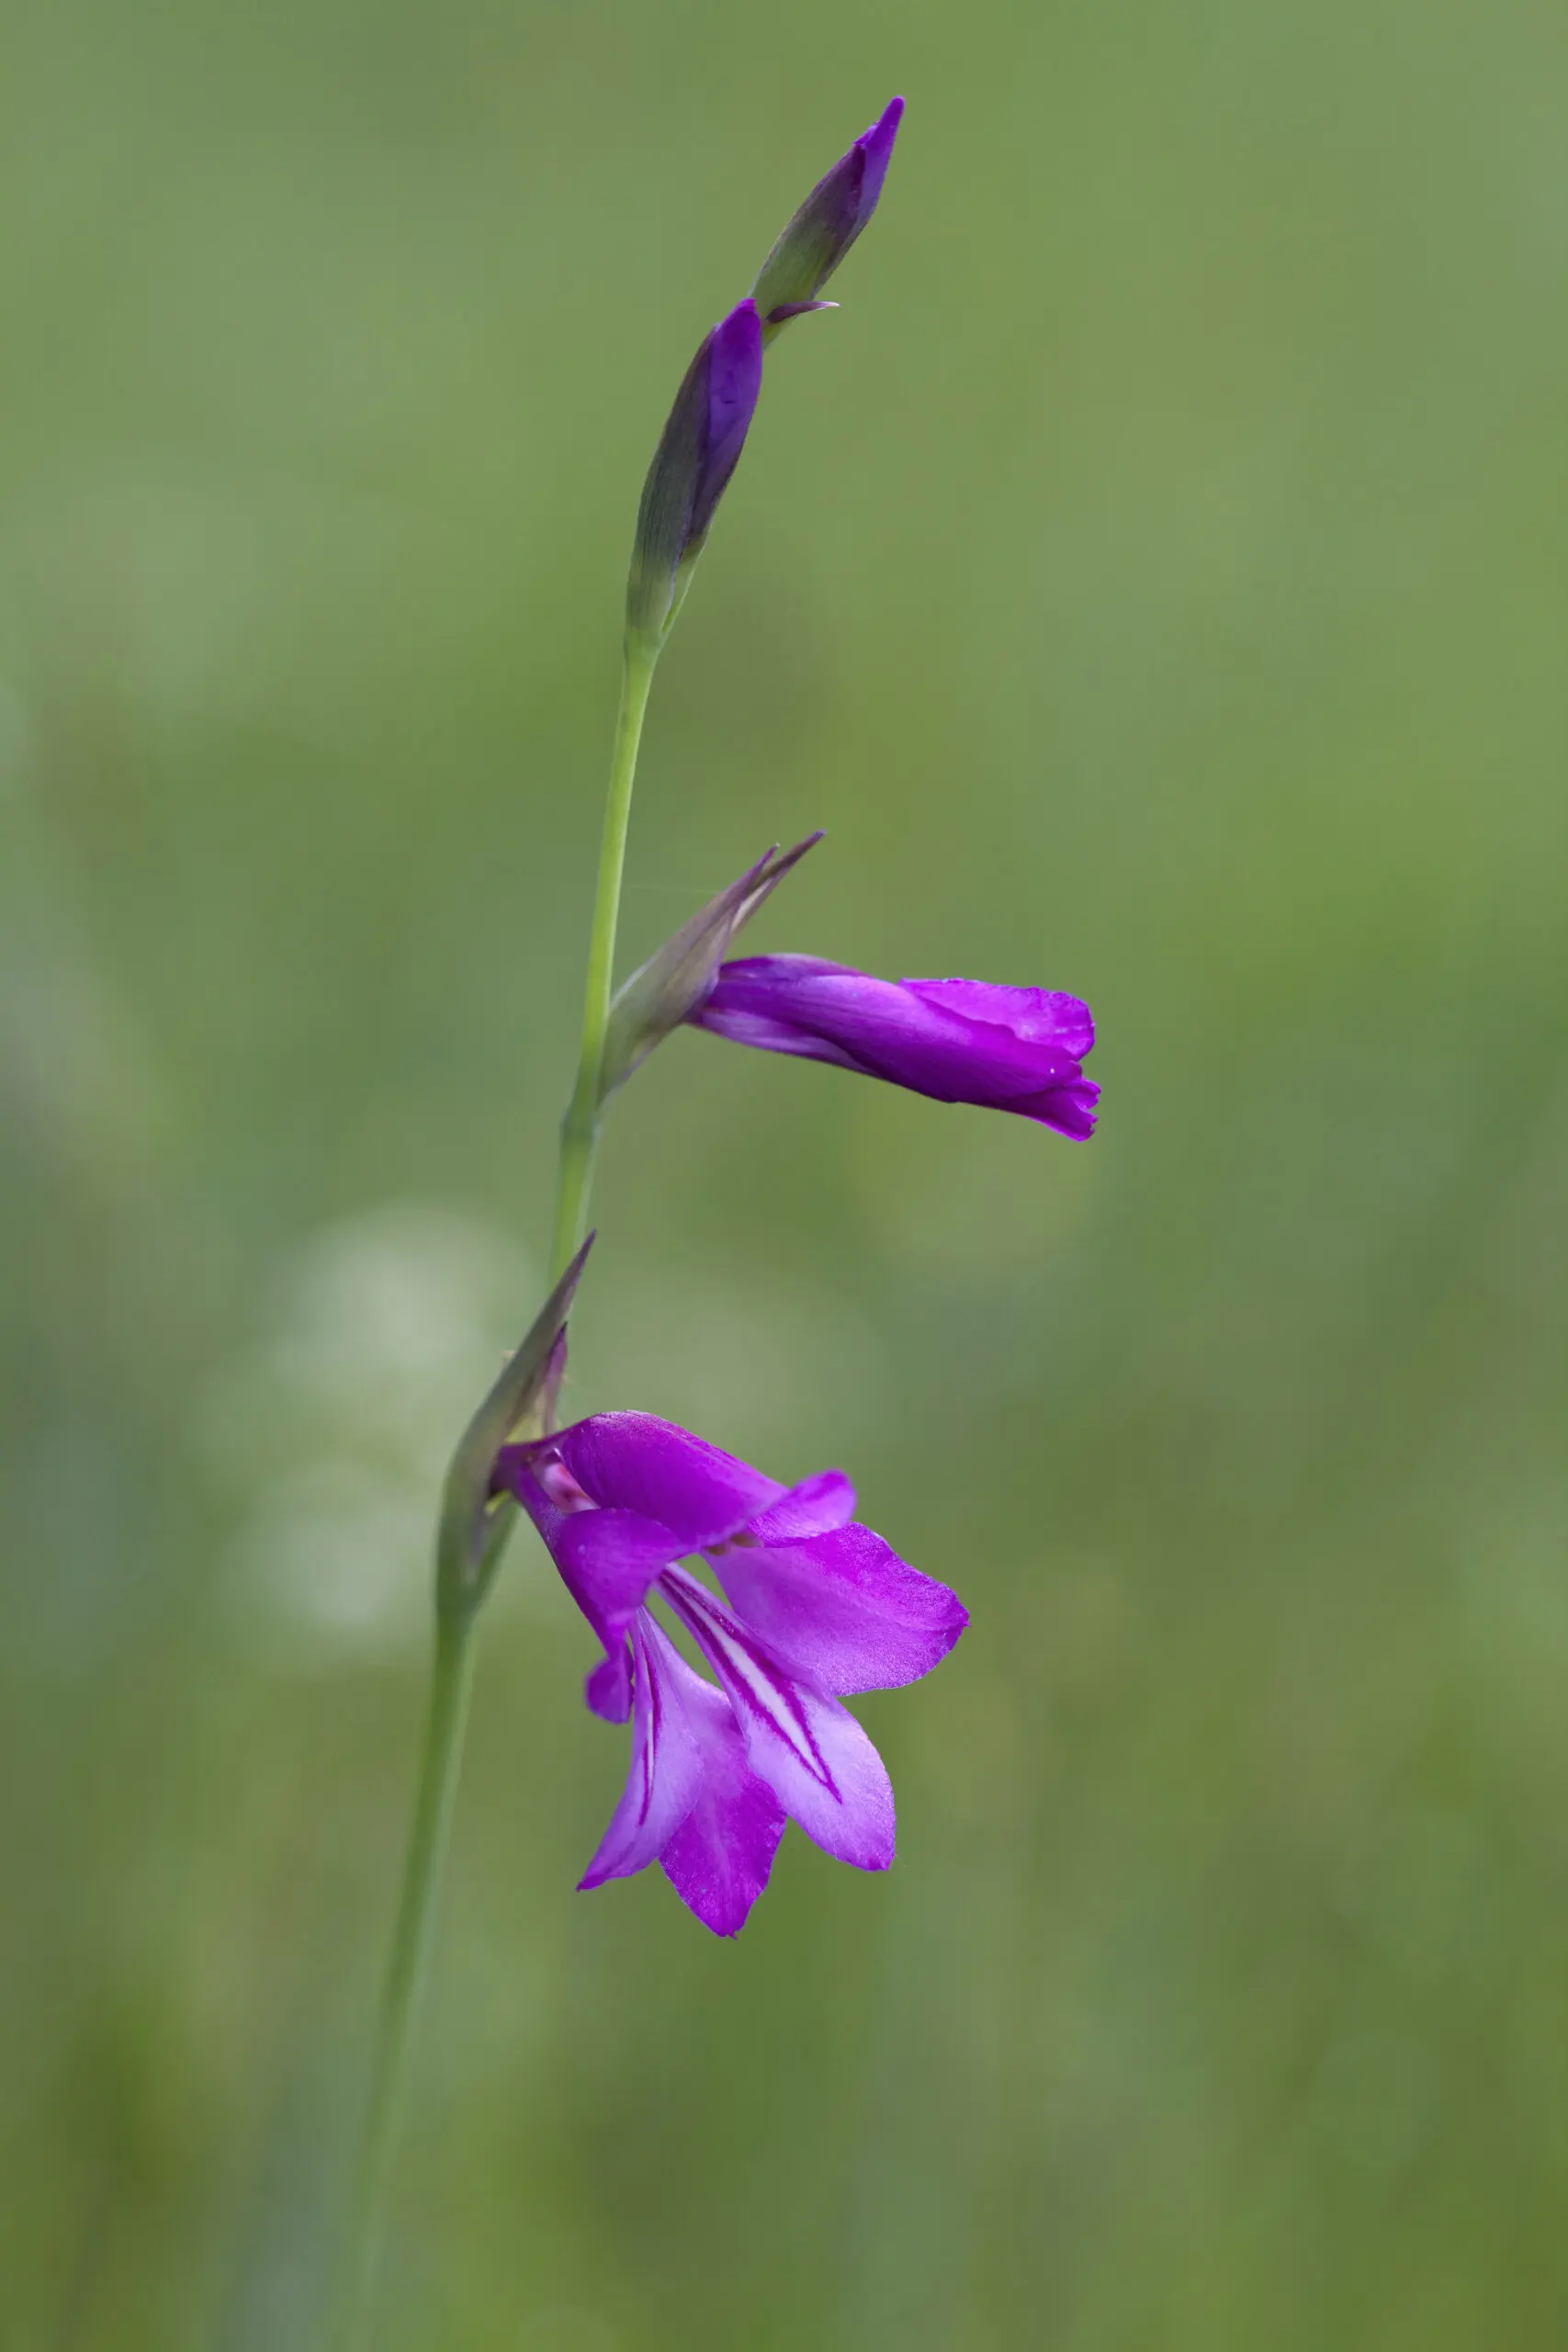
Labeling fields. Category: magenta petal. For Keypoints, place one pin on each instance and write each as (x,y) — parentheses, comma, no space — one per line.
(813,1507)
(843,1610)
(607,1561)
(733,384)
(875,146)
(608,1690)
(718,1858)
(742,1027)
(1069,1109)
(666,1767)
(1040,1017)
(876,1027)
(635,1463)
(810,1749)
(610,1558)
(957,1041)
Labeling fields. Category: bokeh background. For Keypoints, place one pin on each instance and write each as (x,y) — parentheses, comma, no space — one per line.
(1155,578)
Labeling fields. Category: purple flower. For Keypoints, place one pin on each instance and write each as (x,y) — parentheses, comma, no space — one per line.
(958,1041)
(826,226)
(814,1606)
(697,452)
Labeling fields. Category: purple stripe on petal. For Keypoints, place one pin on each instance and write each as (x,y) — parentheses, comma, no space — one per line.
(842,1611)
(667,1766)
(718,1859)
(608,1559)
(808,1748)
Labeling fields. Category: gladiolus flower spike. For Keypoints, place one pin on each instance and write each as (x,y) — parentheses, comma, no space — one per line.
(956,1041)
(814,1606)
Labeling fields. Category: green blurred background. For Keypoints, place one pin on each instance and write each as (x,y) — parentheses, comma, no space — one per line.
(1155,578)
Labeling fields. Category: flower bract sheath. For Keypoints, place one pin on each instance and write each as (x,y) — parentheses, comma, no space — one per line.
(697,452)
(813,1605)
(659,995)
(826,226)
(957,1041)
(523,1396)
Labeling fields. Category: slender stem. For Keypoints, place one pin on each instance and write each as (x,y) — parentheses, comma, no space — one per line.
(454,1656)
(409,1965)
(579,1128)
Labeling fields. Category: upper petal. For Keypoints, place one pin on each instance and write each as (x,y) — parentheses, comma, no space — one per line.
(810,1749)
(634,1462)
(843,1610)
(666,1767)
(1041,1016)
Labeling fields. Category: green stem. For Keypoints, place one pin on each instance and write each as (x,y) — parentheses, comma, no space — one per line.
(453,1669)
(579,1128)
(409,1965)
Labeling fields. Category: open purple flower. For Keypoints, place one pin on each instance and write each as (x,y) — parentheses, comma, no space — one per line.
(814,1606)
(818,236)
(958,1041)
(698,451)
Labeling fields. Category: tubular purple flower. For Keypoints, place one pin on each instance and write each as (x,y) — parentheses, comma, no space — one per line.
(826,226)
(956,1041)
(698,451)
(814,1606)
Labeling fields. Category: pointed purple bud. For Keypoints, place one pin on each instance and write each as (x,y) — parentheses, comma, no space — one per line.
(474,1518)
(675,980)
(697,452)
(826,226)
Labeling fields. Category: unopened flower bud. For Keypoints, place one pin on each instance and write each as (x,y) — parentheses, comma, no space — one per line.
(521,1402)
(697,452)
(673,983)
(956,1041)
(826,227)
